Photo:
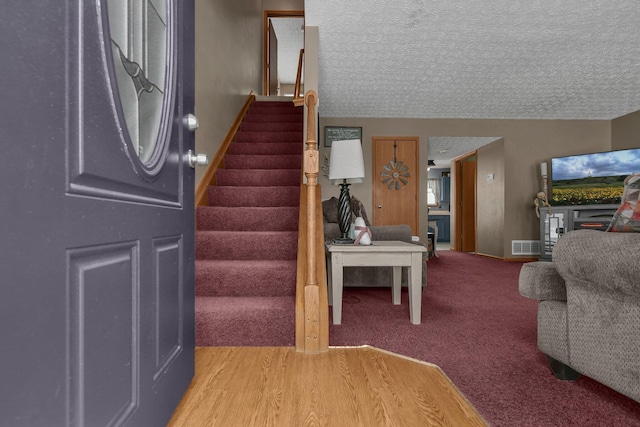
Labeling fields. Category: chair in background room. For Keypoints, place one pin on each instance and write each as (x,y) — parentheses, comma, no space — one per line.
(434,225)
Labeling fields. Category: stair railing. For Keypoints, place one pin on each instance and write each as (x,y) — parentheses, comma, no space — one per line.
(312,306)
(298,100)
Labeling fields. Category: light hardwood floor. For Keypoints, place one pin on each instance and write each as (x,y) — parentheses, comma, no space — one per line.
(347,386)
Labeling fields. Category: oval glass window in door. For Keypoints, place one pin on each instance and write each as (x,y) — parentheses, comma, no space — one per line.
(139,34)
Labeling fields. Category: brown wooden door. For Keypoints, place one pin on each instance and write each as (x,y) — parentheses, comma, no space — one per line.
(272,67)
(466,203)
(395,181)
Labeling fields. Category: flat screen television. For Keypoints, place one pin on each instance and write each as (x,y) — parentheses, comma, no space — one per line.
(594,178)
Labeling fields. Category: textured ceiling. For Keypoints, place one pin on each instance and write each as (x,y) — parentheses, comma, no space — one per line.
(533,59)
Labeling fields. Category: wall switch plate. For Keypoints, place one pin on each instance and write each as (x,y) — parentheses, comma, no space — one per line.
(490,177)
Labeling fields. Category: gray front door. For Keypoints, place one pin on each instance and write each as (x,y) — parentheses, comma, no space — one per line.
(96,211)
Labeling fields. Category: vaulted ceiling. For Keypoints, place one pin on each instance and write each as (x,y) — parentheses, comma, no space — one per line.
(518,59)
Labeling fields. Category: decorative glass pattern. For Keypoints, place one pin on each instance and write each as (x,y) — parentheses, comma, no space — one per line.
(139,34)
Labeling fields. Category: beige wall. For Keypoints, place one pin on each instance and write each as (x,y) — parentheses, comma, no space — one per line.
(526,143)
(490,199)
(228,66)
(625,132)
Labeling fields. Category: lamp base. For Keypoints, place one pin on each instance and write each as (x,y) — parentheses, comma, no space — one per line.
(344,214)
(343,241)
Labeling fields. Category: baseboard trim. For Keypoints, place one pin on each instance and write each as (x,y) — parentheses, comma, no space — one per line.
(521,259)
(509,259)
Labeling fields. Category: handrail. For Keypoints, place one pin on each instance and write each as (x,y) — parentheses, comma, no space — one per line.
(312,312)
(209,177)
(297,99)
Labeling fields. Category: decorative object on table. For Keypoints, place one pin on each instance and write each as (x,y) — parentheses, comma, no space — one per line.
(395,172)
(542,197)
(346,168)
(362,232)
(541,201)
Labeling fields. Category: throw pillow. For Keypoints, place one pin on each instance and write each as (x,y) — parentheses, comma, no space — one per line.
(330,210)
(357,208)
(627,217)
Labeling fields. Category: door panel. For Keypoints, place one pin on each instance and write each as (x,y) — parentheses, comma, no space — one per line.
(98,234)
(395,181)
(103,289)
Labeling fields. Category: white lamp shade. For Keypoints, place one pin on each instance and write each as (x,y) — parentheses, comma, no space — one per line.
(346,162)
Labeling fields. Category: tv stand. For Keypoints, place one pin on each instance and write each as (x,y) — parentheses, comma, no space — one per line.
(563,219)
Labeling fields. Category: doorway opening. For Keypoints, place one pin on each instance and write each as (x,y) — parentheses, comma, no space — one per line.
(464,235)
(283,39)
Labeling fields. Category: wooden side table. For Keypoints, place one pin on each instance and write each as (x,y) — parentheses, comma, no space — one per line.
(394,254)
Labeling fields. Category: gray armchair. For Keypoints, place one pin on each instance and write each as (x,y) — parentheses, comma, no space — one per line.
(589,310)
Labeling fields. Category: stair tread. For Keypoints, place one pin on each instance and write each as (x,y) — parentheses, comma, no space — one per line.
(258,177)
(223,195)
(220,244)
(245,321)
(255,162)
(247,218)
(245,278)
(266,302)
(243,263)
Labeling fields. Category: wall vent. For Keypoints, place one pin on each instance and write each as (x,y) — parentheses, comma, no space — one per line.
(525,247)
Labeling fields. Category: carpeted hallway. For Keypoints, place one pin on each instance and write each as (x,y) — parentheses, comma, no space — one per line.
(246,239)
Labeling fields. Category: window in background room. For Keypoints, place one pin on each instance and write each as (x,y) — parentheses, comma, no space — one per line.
(433,191)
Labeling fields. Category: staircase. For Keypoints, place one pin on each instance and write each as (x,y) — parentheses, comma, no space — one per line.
(247,239)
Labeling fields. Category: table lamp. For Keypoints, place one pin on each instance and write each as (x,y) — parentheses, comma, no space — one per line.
(346,167)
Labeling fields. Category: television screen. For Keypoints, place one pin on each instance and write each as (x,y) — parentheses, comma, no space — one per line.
(595,178)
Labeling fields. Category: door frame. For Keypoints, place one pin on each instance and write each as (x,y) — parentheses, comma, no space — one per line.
(458,210)
(265,39)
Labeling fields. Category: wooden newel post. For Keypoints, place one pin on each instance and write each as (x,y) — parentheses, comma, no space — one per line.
(311,289)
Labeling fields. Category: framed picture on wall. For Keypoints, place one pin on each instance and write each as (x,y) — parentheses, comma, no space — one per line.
(339,133)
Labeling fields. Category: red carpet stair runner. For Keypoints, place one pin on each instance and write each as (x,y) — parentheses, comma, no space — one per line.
(246,239)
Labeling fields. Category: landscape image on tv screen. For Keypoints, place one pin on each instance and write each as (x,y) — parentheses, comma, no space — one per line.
(595,178)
